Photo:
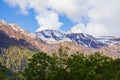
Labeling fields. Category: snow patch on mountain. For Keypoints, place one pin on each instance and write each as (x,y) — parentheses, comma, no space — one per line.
(110,40)
(53,36)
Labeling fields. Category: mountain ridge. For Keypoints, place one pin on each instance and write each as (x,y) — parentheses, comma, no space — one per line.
(79,38)
(15,32)
(34,41)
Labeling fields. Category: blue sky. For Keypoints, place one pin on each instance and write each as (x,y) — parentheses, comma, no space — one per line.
(11,15)
(27,22)
(86,16)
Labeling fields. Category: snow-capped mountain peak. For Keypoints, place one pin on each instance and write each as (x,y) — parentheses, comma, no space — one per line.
(110,40)
(53,36)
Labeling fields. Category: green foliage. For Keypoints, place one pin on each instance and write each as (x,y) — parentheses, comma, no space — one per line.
(38,66)
(72,67)
(15,58)
(89,67)
(45,67)
(6,74)
(59,66)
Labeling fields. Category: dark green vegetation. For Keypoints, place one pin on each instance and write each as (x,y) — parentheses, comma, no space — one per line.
(73,67)
(60,66)
(6,74)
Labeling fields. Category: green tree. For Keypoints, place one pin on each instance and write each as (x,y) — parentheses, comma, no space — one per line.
(72,67)
(38,67)
(45,67)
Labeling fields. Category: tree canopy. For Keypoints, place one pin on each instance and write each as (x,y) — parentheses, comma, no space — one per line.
(59,66)
(72,67)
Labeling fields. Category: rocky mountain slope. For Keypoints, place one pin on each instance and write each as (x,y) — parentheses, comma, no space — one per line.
(107,45)
(54,36)
(12,34)
(110,40)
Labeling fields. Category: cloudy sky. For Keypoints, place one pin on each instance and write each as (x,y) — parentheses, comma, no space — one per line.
(96,17)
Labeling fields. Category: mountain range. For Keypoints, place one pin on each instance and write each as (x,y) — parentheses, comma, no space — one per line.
(54,36)
(50,40)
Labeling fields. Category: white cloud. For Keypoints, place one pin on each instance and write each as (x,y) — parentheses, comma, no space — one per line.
(96,29)
(104,18)
(40,6)
(93,29)
(22,4)
(49,20)
(106,13)
(67,7)
(103,15)
(73,9)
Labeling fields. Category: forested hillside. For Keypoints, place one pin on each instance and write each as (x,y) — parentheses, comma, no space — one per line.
(15,58)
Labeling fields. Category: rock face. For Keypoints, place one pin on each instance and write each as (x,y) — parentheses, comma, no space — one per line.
(12,34)
(53,36)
